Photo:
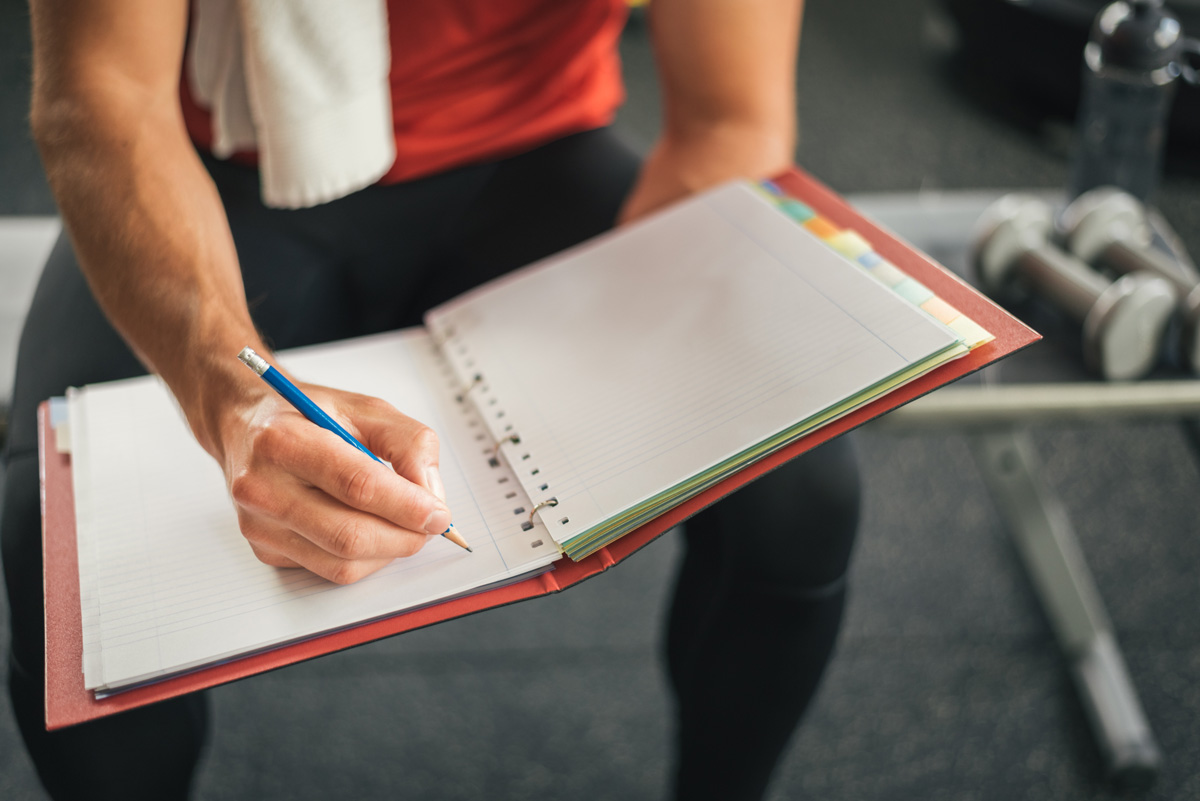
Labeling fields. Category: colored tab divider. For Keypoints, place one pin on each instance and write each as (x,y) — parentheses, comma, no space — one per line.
(858,250)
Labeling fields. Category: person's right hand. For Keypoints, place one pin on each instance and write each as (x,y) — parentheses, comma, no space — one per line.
(306,499)
(152,238)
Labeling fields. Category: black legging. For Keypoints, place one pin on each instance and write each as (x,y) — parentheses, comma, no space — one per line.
(748,639)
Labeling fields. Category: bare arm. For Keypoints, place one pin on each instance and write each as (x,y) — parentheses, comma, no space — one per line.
(152,239)
(145,220)
(727,70)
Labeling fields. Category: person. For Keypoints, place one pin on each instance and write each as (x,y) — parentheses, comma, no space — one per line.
(501,113)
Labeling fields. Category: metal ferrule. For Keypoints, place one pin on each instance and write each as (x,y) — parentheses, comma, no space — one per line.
(252,360)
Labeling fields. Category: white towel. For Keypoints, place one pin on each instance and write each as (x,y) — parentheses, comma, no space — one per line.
(303,82)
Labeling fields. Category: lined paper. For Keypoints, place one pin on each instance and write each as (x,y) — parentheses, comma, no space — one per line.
(636,361)
(167,580)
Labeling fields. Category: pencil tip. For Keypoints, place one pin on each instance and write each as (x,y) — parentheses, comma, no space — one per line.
(452,534)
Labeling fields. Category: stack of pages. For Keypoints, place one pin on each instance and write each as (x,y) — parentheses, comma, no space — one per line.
(574,400)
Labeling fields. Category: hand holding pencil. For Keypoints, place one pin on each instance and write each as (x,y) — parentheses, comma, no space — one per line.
(306,498)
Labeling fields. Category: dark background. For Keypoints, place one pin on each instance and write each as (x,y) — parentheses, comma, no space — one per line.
(947,683)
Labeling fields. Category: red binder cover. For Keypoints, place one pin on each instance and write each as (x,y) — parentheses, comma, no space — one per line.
(68,702)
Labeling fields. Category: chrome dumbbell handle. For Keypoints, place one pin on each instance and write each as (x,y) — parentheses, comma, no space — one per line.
(1125,258)
(1053,274)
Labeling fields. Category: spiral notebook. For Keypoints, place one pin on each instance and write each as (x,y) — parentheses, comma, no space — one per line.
(653,362)
(574,399)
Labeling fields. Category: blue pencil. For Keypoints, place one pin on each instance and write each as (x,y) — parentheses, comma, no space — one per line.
(292,394)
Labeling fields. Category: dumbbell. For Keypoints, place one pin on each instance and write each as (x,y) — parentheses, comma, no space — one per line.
(1123,321)
(1109,228)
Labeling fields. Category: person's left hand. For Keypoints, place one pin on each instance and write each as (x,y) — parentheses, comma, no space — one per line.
(681,165)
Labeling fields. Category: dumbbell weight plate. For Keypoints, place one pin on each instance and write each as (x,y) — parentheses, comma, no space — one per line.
(1101,216)
(1190,307)
(1124,329)
(1012,225)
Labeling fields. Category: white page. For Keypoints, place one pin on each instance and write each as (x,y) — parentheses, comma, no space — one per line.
(639,359)
(172,582)
(84,544)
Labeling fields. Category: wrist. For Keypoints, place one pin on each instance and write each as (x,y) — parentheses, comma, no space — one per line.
(215,390)
(707,153)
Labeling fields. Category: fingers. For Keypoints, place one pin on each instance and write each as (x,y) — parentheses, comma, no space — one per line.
(272,558)
(410,447)
(329,524)
(270,542)
(291,446)
(306,499)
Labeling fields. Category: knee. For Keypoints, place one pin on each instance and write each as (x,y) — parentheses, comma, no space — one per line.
(804,519)
(826,491)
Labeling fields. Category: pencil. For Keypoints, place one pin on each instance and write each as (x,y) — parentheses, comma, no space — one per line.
(292,394)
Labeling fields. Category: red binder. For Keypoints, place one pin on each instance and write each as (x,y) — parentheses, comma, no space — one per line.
(68,703)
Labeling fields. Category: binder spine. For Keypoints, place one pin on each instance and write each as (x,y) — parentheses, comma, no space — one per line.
(507,446)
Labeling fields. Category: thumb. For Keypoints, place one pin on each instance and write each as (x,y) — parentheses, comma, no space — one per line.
(410,446)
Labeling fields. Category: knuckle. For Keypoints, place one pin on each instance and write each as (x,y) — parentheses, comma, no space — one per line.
(350,539)
(268,557)
(346,572)
(248,490)
(262,538)
(251,531)
(374,405)
(425,439)
(273,440)
(357,486)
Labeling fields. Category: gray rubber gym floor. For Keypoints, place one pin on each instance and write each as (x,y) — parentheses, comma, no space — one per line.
(947,683)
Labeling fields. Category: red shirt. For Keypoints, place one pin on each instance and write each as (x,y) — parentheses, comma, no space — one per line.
(475,80)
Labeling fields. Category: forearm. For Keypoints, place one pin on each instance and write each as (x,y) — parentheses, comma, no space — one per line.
(727,70)
(728,63)
(151,236)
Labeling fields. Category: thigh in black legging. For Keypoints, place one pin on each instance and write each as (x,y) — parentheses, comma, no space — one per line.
(760,592)
(787,535)
(349,267)
(793,529)
(68,342)
(401,249)
(146,754)
(534,205)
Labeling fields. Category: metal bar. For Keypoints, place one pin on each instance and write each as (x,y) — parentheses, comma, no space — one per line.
(1005,405)
(1054,561)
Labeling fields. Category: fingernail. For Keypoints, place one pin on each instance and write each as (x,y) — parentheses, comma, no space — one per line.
(438,521)
(433,480)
